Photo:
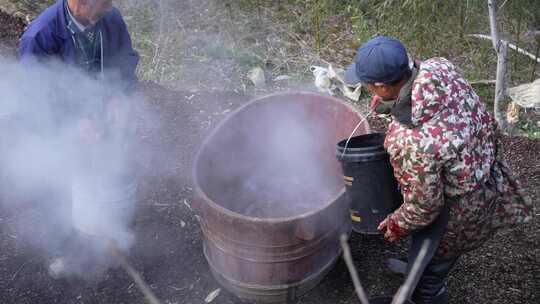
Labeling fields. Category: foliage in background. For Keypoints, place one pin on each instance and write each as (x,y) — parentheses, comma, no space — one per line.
(330,30)
(209,41)
(288,36)
(152,28)
(427,28)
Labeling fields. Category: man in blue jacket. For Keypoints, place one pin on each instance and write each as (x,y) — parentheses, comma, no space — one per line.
(91,36)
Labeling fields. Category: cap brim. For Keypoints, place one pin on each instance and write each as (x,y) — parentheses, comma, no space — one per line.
(350,76)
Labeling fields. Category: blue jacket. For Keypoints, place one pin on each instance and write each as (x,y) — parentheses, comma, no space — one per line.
(48,37)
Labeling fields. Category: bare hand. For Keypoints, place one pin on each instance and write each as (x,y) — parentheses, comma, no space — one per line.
(386,228)
(375,100)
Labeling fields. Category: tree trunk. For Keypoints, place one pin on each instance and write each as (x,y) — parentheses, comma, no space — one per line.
(492,8)
(502,51)
(500,85)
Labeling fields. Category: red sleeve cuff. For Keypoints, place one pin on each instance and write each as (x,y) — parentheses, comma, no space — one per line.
(394,227)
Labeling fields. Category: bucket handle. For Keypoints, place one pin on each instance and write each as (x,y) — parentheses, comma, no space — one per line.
(355,128)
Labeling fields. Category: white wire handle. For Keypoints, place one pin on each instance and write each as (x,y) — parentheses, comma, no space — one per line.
(356,128)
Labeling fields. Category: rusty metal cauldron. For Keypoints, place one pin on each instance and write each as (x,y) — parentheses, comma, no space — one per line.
(279,253)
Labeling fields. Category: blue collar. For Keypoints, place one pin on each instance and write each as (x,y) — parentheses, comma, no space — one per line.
(73,24)
(61,25)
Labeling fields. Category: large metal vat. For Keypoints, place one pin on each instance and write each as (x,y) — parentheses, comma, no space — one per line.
(279,253)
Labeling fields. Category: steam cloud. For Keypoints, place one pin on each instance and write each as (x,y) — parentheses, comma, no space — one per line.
(272,162)
(68,195)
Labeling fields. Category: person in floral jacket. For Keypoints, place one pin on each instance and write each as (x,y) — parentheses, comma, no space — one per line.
(442,144)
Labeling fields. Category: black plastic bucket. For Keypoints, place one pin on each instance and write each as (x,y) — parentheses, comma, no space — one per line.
(370,185)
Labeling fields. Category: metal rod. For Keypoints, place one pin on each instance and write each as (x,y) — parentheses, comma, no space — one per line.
(406,290)
(360,292)
(510,45)
(143,287)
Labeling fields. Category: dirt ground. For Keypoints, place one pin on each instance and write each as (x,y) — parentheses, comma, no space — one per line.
(168,251)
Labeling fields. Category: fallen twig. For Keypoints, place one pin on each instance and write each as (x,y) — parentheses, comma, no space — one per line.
(187,205)
(212,296)
(18,270)
(352,270)
(161,205)
(177,288)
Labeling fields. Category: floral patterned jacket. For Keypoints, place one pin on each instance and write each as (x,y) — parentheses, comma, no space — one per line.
(448,155)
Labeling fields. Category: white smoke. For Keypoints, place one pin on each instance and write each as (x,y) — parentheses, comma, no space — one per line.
(274,162)
(65,170)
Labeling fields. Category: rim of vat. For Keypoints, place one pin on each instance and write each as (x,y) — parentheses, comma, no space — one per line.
(202,195)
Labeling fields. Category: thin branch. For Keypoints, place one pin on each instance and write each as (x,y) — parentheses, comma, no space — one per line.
(510,45)
(502,5)
(406,290)
(531,34)
(483,82)
(352,270)
(143,287)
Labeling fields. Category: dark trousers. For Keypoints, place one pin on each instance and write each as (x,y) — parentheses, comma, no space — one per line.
(431,288)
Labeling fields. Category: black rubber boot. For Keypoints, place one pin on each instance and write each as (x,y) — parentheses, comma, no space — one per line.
(397,265)
(431,288)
